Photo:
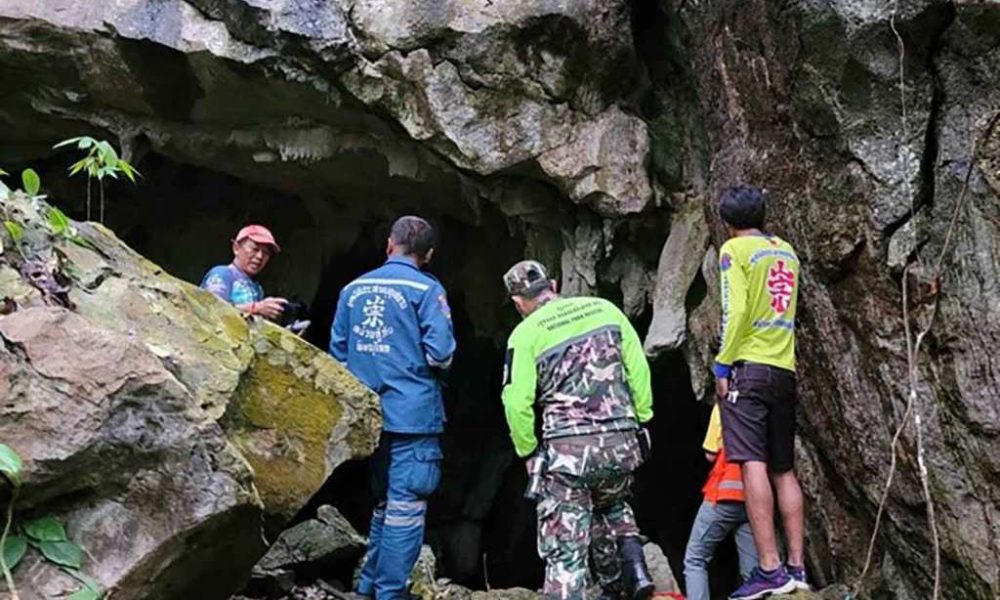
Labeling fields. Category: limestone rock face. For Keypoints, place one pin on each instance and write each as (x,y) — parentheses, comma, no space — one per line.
(151,412)
(680,261)
(486,85)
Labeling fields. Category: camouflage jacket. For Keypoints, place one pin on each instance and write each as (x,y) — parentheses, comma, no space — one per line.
(582,362)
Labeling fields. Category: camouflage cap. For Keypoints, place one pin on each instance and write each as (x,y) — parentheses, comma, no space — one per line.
(526,278)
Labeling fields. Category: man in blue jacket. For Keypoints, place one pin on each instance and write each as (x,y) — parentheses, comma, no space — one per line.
(393,331)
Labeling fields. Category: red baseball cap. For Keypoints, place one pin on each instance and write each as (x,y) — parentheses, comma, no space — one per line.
(259,234)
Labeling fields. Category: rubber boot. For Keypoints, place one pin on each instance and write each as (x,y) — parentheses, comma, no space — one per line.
(638,584)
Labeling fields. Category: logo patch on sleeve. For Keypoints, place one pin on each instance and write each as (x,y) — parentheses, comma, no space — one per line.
(725,261)
(445,309)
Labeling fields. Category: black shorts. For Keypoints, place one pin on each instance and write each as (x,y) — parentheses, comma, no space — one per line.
(758,417)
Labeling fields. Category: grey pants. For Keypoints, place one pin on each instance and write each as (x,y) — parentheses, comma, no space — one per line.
(713,523)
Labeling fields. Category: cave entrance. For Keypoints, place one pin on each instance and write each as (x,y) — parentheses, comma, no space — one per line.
(482,530)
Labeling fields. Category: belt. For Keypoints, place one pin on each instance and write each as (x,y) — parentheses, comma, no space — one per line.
(587,439)
(752,366)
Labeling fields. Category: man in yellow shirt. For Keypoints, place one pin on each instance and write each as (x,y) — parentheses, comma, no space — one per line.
(755,383)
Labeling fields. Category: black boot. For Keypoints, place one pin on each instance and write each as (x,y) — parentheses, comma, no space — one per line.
(638,584)
(612,592)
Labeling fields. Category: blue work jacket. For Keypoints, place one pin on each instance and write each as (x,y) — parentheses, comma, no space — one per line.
(393,331)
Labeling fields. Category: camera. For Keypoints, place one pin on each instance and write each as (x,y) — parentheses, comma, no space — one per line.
(295,317)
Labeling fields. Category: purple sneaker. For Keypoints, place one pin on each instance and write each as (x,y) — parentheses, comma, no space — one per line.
(761,584)
(798,575)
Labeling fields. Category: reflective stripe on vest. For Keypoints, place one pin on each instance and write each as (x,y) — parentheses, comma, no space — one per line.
(725,482)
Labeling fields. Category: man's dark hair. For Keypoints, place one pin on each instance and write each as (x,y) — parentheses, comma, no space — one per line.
(742,207)
(414,235)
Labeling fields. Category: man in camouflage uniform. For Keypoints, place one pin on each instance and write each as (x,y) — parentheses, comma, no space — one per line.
(585,363)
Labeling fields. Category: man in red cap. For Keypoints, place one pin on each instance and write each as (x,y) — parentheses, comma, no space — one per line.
(252,249)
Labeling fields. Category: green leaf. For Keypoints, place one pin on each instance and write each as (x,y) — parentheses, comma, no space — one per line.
(46,529)
(129,170)
(90,590)
(106,171)
(15,230)
(14,548)
(86,142)
(83,242)
(65,553)
(85,593)
(32,182)
(68,142)
(78,166)
(10,461)
(58,221)
(107,153)
(79,576)
(2,173)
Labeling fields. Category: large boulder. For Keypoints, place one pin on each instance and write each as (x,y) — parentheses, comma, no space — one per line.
(156,422)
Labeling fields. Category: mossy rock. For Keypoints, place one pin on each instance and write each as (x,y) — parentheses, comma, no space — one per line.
(295,416)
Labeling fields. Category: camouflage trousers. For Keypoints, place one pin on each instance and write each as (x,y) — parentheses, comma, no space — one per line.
(584,509)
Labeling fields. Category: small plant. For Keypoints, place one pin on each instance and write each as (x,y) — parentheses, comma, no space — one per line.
(100,161)
(61,227)
(29,179)
(46,535)
(32,186)
(16,233)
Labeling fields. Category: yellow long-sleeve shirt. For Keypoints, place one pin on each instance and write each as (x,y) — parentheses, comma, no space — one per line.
(713,435)
(760,283)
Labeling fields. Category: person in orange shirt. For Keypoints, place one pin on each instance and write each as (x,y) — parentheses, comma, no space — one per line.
(721,513)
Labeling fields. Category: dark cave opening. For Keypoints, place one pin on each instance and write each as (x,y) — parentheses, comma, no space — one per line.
(482,530)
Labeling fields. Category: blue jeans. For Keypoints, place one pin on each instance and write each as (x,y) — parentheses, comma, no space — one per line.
(712,525)
(405,470)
